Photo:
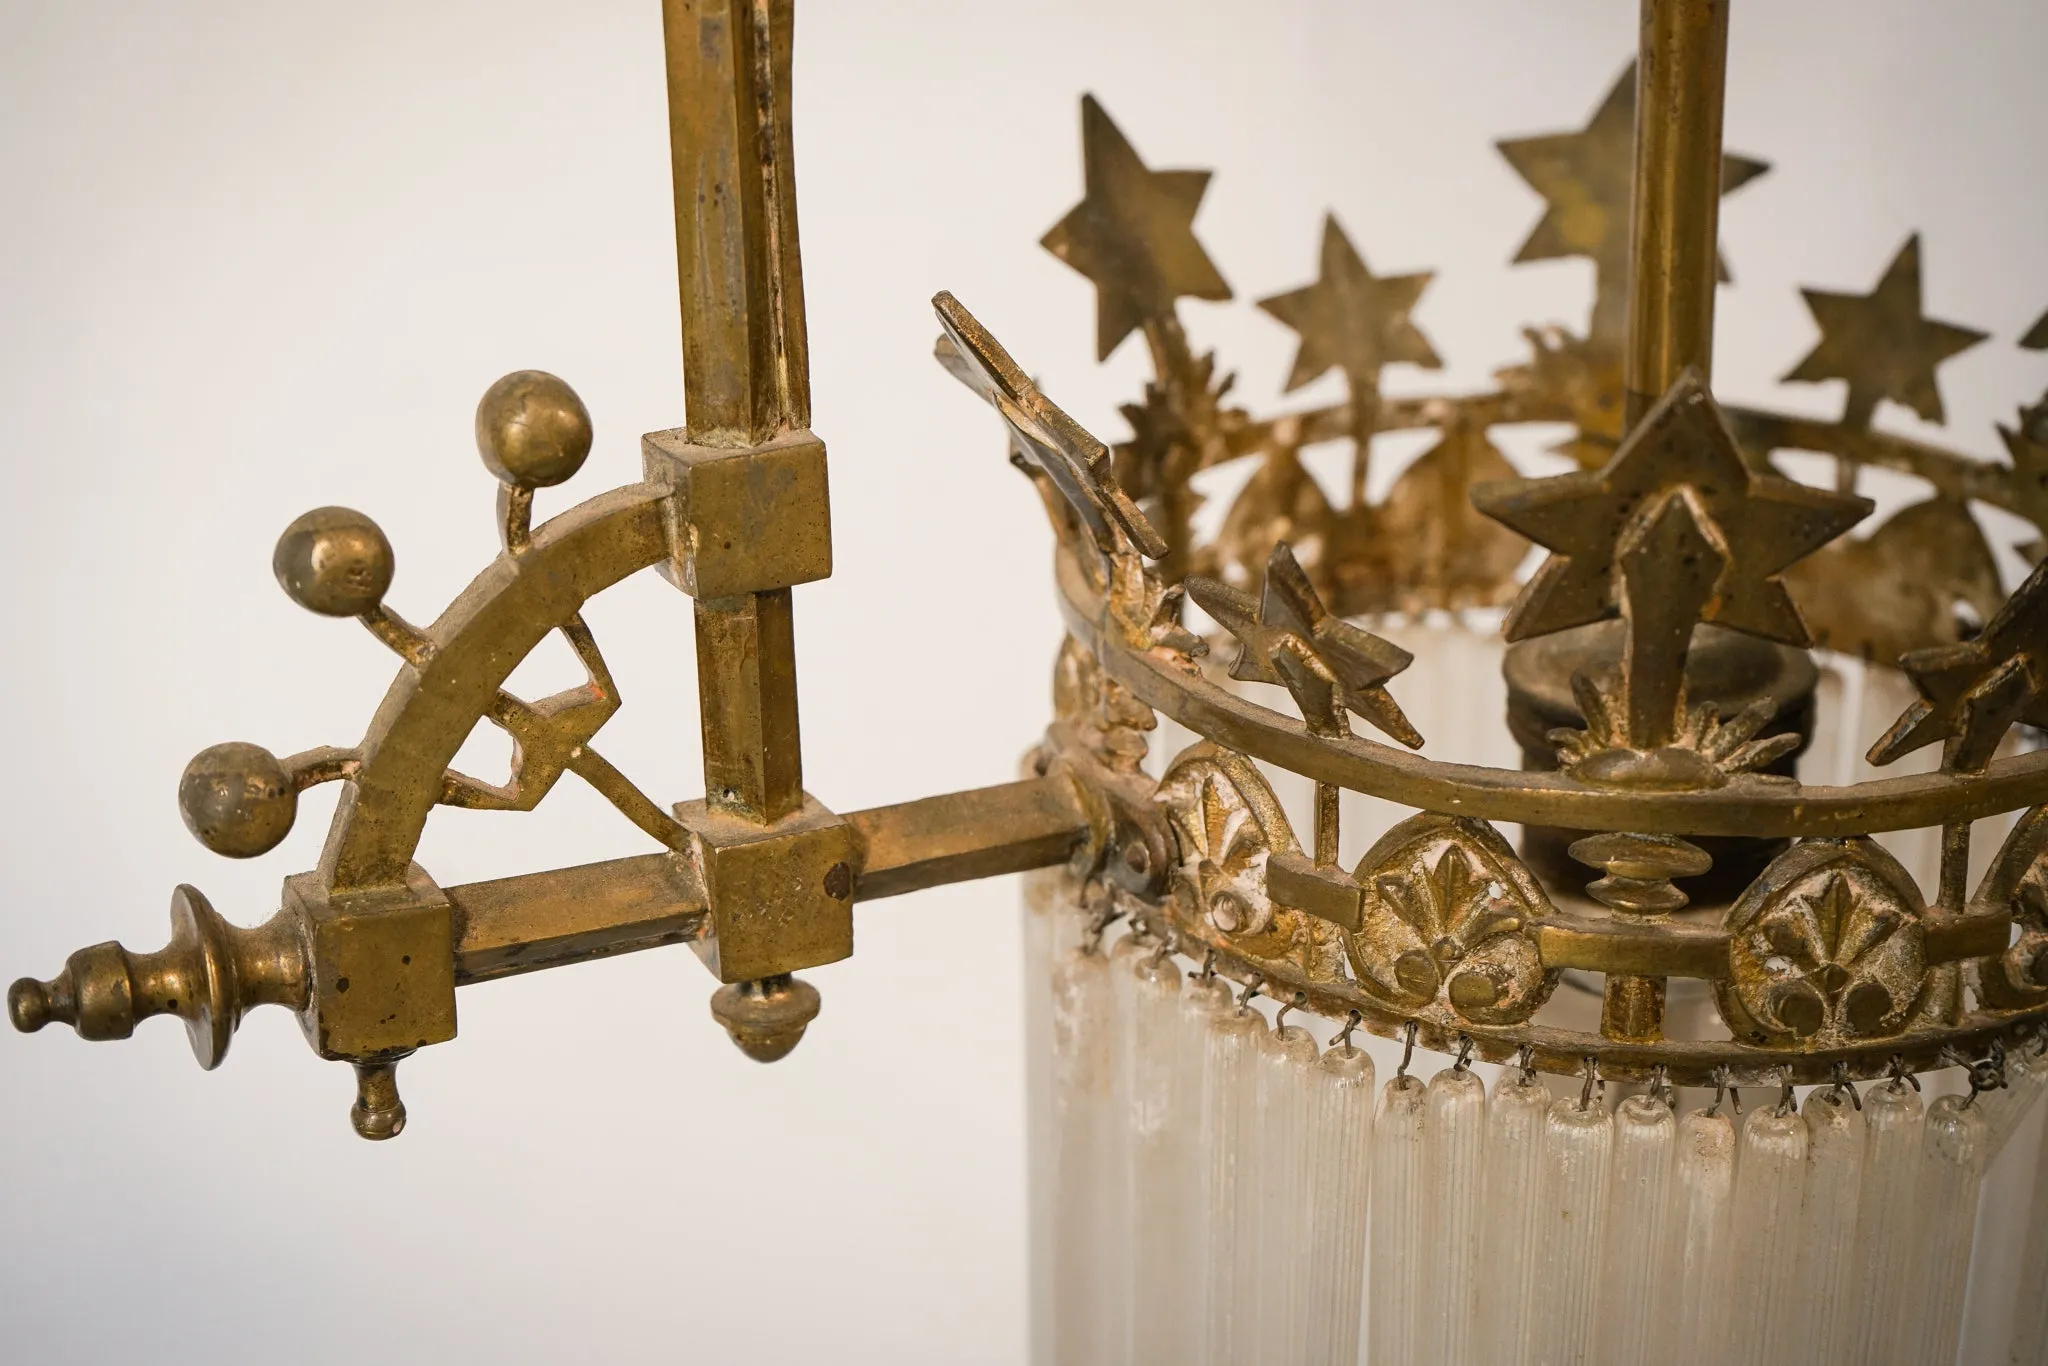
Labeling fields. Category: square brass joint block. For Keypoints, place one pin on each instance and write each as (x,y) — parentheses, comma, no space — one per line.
(381,964)
(780,895)
(747,520)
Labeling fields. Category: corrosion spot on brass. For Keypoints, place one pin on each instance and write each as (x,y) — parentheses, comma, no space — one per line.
(237,799)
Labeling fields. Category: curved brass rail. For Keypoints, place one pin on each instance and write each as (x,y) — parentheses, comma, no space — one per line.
(1748,805)
(433,705)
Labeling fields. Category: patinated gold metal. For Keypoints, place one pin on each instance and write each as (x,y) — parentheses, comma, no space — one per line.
(1660,672)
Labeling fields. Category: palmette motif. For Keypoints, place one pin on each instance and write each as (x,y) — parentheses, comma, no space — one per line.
(1449,912)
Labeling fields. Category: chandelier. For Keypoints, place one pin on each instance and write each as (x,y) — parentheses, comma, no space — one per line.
(1766,854)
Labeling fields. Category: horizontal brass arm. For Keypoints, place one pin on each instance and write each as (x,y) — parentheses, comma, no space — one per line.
(569,915)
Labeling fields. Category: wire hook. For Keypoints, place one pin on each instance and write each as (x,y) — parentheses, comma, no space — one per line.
(1525,1058)
(1352,1020)
(1464,1062)
(1407,1049)
(1788,1102)
(1843,1085)
(1251,989)
(1296,1002)
(1592,1075)
(1724,1089)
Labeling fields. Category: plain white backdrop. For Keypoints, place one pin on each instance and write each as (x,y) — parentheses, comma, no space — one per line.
(258,257)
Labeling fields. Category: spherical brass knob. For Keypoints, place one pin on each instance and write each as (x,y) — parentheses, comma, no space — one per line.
(532,430)
(766,1018)
(334,561)
(237,799)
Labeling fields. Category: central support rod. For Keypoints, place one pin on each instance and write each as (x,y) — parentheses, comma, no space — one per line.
(1674,219)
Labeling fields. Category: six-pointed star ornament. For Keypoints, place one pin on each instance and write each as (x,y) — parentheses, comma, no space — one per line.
(1761,523)
(1041,434)
(1881,343)
(1288,637)
(1584,178)
(1351,319)
(1973,692)
(1132,234)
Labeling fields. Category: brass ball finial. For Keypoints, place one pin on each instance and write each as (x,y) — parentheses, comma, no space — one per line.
(28,1005)
(334,561)
(237,799)
(378,1113)
(766,1018)
(532,430)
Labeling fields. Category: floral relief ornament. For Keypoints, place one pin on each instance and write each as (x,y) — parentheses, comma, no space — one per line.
(1448,923)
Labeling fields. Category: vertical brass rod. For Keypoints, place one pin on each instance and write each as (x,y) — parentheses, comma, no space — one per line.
(746,361)
(746,356)
(1328,799)
(1674,217)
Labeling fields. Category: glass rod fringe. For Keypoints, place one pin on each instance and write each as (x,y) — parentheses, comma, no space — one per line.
(1082,1213)
(1205,999)
(2030,1321)
(1830,1299)
(1340,1175)
(1163,1119)
(1278,1273)
(1578,1150)
(1645,1132)
(1695,1281)
(1956,1147)
(1230,1138)
(1888,1264)
(1770,1181)
(1513,1225)
(1397,1285)
(1455,1182)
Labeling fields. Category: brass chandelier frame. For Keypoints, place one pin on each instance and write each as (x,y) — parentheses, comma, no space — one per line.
(1831,965)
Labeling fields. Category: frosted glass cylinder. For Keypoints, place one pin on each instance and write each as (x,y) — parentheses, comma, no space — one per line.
(1204,1000)
(1112,1255)
(1770,1182)
(1271,1286)
(1578,1151)
(1163,1121)
(1888,1263)
(2030,1317)
(1040,889)
(1340,1183)
(1512,1224)
(1638,1208)
(2026,1077)
(1695,1279)
(1836,1140)
(1082,1213)
(1230,1145)
(1956,1147)
(1455,1123)
(1400,1202)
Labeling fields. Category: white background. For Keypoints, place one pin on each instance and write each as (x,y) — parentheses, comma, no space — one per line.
(257,257)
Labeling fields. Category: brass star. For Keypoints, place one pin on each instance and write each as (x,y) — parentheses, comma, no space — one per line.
(1763,523)
(1132,234)
(2037,336)
(1881,343)
(2026,442)
(1351,319)
(1585,177)
(1042,436)
(1288,637)
(1974,691)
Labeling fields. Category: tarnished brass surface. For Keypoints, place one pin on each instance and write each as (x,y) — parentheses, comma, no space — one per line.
(1674,219)
(1828,962)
